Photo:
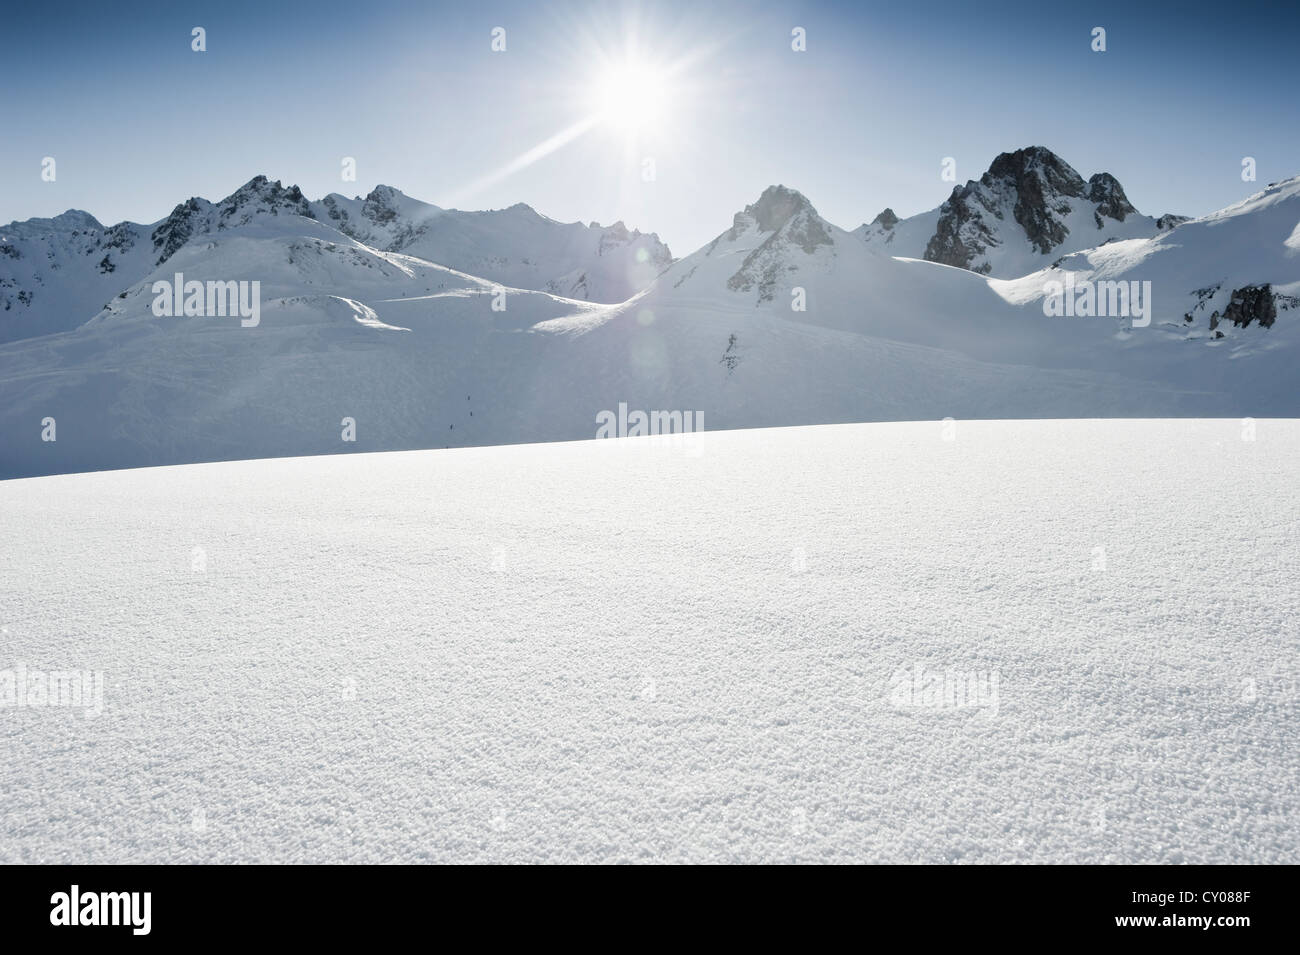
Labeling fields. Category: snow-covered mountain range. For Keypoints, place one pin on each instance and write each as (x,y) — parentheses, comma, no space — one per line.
(57,273)
(429,328)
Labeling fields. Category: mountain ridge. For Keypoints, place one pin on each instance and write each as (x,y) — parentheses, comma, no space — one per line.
(56,273)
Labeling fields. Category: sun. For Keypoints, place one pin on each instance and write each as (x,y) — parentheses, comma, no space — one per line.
(631,96)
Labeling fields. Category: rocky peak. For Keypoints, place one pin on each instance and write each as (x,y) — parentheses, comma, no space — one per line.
(790,223)
(1035,172)
(1039,179)
(886,219)
(380,205)
(1035,188)
(261,195)
(777,206)
(787,214)
(1105,190)
(258,196)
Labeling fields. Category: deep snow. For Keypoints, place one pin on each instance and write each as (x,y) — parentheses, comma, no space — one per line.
(606,651)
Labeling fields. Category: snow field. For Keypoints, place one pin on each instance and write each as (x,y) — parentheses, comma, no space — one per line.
(603,652)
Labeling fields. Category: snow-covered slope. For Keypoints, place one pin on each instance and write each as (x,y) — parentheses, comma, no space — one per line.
(1027,209)
(516,246)
(1235,269)
(592,653)
(55,274)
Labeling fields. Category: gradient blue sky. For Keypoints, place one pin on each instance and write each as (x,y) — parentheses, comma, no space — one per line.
(138,122)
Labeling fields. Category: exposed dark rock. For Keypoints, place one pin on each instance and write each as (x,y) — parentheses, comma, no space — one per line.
(380,206)
(119,236)
(262,195)
(1105,190)
(1251,303)
(176,229)
(1039,177)
(1039,188)
(960,235)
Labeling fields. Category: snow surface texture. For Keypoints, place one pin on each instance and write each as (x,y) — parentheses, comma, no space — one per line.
(614,652)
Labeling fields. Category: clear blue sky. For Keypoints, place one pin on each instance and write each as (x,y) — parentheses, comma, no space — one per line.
(138,122)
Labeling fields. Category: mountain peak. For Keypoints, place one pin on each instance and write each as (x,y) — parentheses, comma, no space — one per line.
(776,206)
(1036,170)
(383,194)
(1105,190)
(196,216)
(1040,192)
(380,205)
(74,220)
(785,223)
(264,195)
(886,219)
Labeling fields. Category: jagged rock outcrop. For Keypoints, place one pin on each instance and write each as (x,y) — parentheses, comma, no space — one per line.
(961,234)
(1251,303)
(179,227)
